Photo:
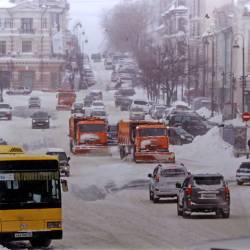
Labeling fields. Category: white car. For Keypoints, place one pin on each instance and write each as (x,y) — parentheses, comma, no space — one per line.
(34,102)
(97,105)
(5,111)
(137,114)
(139,103)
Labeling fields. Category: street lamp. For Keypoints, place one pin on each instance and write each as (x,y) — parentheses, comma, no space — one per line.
(243,78)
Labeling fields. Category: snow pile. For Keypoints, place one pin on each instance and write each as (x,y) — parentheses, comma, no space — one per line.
(204,112)
(211,152)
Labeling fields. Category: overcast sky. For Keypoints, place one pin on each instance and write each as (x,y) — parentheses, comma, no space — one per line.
(89,12)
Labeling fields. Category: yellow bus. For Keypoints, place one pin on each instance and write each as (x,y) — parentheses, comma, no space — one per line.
(30,199)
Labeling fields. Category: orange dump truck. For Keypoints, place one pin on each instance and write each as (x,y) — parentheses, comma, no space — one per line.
(146,141)
(88,135)
(65,99)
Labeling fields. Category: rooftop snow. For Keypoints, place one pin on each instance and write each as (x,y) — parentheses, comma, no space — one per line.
(6,4)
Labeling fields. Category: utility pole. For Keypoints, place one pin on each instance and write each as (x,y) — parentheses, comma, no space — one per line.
(213,78)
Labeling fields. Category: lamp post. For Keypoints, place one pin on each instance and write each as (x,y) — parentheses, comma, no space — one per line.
(84,40)
(243,77)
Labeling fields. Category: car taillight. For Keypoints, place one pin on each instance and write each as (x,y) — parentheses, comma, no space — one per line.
(226,193)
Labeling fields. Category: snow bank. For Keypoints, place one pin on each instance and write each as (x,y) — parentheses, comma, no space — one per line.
(204,112)
(209,153)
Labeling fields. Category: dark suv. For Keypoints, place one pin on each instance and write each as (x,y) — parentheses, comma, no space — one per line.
(203,193)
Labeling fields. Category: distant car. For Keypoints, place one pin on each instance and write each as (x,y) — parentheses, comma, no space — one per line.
(97,105)
(118,100)
(96,95)
(77,108)
(125,104)
(141,104)
(112,134)
(5,111)
(18,91)
(178,136)
(40,119)
(243,173)
(64,165)
(157,112)
(97,57)
(204,193)
(99,113)
(126,92)
(3,142)
(114,76)
(88,100)
(163,181)
(108,64)
(34,102)
(137,114)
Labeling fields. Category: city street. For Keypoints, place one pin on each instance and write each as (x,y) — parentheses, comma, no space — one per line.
(108,206)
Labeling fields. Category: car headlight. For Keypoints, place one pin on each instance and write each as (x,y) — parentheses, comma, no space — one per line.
(54,224)
(183,137)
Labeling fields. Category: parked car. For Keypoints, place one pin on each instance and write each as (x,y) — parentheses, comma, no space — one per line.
(243,173)
(34,102)
(178,136)
(40,119)
(125,104)
(204,193)
(163,181)
(137,113)
(114,76)
(200,102)
(63,160)
(77,107)
(112,134)
(5,111)
(126,92)
(96,95)
(190,122)
(141,104)
(18,91)
(99,113)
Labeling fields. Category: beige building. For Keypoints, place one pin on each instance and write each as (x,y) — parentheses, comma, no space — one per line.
(33,43)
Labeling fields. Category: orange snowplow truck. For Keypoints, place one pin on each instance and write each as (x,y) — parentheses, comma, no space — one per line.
(146,141)
(65,99)
(88,135)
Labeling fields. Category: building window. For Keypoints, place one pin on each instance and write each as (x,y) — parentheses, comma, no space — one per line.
(27,25)
(44,24)
(26,46)
(8,23)
(2,47)
(55,21)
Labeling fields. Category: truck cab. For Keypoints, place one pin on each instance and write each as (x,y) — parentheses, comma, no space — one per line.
(65,100)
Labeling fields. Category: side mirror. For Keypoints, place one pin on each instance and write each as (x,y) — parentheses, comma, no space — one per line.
(150,176)
(68,158)
(65,187)
(178,185)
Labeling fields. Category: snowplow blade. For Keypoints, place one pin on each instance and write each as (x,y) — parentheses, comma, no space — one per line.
(63,107)
(92,150)
(155,157)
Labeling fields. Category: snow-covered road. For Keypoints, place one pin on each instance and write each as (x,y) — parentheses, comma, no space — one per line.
(107,206)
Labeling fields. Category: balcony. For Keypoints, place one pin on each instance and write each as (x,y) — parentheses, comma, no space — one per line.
(27,31)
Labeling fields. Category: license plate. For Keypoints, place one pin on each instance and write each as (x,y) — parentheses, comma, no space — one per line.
(208,196)
(23,235)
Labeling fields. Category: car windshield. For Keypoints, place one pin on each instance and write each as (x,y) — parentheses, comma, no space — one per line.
(61,155)
(173,172)
(4,106)
(137,110)
(153,132)
(98,104)
(140,103)
(78,105)
(40,115)
(92,128)
(98,113)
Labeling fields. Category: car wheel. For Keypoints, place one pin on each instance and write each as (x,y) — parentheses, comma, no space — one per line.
(155,199)
(179,210)
(240,183)
(225,215)
(40,243)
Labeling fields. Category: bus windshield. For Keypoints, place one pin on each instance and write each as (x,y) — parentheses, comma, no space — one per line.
(92,128)
(26,189)
(153,132)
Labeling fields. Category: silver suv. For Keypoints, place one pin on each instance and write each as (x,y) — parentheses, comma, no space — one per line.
(163,181)
(243,173)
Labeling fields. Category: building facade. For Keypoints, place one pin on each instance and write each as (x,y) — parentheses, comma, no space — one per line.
(33,43)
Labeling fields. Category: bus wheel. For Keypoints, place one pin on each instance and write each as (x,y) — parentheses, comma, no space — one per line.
(40,243)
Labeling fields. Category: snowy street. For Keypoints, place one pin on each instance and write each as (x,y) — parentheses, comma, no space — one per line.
(108,206)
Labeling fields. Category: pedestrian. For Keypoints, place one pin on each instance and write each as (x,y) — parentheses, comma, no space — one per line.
(248,143)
